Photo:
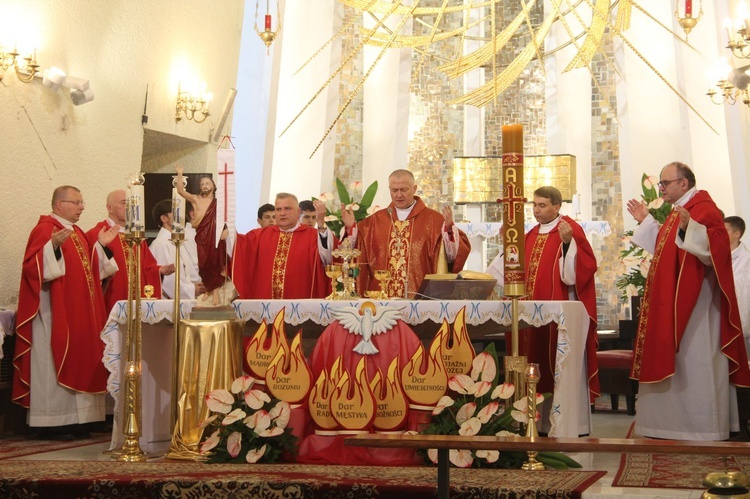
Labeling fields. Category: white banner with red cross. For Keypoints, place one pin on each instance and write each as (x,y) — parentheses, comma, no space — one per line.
(225,191)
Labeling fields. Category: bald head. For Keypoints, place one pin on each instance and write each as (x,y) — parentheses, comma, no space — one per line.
(116,206)
(402,188)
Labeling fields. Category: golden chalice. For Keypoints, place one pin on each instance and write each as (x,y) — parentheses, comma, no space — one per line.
(333,271)
(383,276)
(148,290)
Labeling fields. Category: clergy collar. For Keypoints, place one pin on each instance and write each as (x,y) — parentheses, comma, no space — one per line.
(686,197)
(290,230)
(403,214)
(111,223)
(545,228)
(66,223)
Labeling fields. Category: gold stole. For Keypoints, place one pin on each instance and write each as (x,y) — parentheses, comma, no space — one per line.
(279,265)
(398,257)
(86,264)
(533,263)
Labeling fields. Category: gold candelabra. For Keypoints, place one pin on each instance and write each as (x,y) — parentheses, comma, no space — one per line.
(349,269)
(131,450)
(532,378)
(177,239)
(190,105)
(24,72)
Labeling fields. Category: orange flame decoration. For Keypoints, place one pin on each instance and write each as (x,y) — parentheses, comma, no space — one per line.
(288,376)
(390,399)
(358,411)
(425,386)
(319,401)
(261,349)
(456,346)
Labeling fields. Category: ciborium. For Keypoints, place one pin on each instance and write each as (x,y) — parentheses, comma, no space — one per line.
(383,276)
(333,271)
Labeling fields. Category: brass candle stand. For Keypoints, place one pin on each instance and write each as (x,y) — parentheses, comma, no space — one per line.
(349,269)
(532,378)
(177,238)
(131,450)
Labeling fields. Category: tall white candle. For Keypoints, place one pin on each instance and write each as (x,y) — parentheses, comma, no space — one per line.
(576,204)
(137,207)
(178,212)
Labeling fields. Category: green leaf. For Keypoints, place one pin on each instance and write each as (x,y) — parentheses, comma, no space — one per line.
(369,196)
(571,463)
(343,193)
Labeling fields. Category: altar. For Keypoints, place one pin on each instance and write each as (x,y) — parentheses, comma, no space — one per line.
(568,406)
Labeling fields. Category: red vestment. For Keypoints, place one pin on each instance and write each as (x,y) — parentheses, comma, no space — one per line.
(116,286)
(543,282)
(78,314)
(270,263)
(211,258)
(385,242)
(672,288)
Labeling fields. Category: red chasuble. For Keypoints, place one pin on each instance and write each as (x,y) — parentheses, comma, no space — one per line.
(409,249)
(116,286)
(212,259)
(269,263)
(672,288)
(543,253)
(78,314)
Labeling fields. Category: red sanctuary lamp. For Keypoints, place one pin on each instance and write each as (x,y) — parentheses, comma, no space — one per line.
(684,13)
(268,35)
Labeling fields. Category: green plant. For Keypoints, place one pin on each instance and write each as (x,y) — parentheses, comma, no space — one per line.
(634,261)
(361,206)
(480,408)
(249,425)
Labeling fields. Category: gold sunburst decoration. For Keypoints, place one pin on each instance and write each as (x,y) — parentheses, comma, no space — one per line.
(586,20)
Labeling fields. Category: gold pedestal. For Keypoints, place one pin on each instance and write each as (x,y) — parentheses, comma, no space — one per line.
(209,357)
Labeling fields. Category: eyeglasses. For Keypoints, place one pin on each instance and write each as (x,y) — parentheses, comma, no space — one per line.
(664,183)
(77,203)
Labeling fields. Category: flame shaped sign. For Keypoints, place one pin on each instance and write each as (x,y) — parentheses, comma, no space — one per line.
(456,347)
(355,412)
(425,386)
(288,376)
(262,348)
(390,399)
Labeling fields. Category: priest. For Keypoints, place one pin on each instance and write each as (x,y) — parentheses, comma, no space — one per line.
(58,370)
(689,351)
(283,261)
(408,239)
(560,265)
(116,286)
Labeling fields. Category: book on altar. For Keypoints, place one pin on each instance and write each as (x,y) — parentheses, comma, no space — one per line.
(466,285)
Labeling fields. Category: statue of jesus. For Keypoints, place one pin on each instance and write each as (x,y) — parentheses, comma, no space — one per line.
(211,256)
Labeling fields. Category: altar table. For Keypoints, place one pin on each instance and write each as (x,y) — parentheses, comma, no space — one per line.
(569,414)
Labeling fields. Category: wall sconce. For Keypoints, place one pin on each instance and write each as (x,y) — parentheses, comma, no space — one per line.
(25,71)
(738,32)
(189,106)
(731,85)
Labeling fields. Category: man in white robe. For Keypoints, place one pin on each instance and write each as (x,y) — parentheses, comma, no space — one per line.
(741,270)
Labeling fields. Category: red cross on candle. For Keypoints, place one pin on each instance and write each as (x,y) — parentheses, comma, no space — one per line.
(225,172)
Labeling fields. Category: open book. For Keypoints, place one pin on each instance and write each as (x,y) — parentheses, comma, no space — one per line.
(466,285)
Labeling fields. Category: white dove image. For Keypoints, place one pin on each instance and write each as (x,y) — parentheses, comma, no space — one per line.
(361,321)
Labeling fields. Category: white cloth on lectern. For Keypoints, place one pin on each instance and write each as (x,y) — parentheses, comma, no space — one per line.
(741,271)
(50,403)
(698,399)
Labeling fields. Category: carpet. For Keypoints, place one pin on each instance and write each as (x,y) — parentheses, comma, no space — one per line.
(673,471)
(15,446)
(63,479)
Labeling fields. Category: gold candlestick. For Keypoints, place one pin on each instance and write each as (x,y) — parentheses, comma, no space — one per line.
(178,237)
(532,378)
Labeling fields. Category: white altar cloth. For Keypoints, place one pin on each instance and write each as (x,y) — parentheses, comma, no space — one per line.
(491,229)
(569,412)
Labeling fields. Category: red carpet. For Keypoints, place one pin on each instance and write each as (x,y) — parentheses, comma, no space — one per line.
(673,471)
(13,446)
(64,479)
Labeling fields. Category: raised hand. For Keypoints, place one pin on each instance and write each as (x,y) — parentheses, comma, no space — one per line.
(320,213)
(566,231)
(179,169)
(347,216)
(684,216)
(448,215)
(106,236)
(59,237)
(638,209)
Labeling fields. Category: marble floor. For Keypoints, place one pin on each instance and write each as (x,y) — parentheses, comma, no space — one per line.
(606,424)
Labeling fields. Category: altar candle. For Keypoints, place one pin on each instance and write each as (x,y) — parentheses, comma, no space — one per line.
(136,200)
(688,8)
(268,22)
(512,138)
(178,212)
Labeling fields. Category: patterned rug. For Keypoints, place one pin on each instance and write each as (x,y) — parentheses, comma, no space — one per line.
(63,479)
(14,446)
(673,471)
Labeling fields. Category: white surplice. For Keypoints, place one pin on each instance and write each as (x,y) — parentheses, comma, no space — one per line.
(164,251)
(741,271)
(697,402)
